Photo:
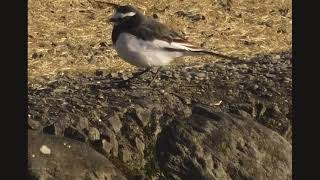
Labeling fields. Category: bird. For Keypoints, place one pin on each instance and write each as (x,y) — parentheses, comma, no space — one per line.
(145,42)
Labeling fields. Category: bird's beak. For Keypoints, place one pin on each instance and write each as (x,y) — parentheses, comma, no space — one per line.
(113,20)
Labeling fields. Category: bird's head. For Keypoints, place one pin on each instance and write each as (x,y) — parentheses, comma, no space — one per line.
(125,14)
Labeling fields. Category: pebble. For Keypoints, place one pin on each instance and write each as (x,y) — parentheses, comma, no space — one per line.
(262,108)
(45,150)
(176,75)
(154,70)
(52,129)
(277,69)
(243,66)
(270,75)
(34,124)
(263,66)
(125,77)
(287,80)
(83,123)
(94,134)
(244,114)
(100,96)
(277,109)
(115,123)
(99,73)
(106,146)
(277,57)
(250,77)
(140,145)
(125,155)
(201,75)
(221,66)
(74,133)
(217,104)
(168,72)
(114,75)
(187,100)
(143,115)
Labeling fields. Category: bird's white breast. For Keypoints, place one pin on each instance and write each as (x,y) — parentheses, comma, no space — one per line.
(143,53)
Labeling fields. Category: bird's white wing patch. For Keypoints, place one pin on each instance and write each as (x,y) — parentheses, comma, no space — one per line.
(174,45)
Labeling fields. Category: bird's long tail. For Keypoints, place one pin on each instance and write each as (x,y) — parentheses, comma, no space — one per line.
(189,49)
(217,54)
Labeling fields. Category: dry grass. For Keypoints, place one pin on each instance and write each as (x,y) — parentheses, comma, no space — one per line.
(72,36)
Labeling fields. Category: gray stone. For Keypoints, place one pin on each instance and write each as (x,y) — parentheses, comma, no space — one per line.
(112,140)
(54,129)
(243,66)
(143,115)
(211,145)
(125,154)
(114,75)
(139,144)
(94,134)
(34,124)
(69,159)
(201,75)
(244,114)
(106,146)
(286,79)
(76,134)
(277,57)
(115,123)
(206,145)
(83,123)
(261,108)
(270,75)
(176,76)
(276,109)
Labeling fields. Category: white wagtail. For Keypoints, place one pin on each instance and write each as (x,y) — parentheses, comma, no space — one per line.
(144,42)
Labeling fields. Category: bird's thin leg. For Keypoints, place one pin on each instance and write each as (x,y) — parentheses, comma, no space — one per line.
(140,73)
(156,75)
(135,75)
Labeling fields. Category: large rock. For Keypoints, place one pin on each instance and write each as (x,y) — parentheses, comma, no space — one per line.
(211,145)
(52,157)
(123,122)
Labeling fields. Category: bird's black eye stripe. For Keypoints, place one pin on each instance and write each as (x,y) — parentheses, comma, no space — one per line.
(125,18)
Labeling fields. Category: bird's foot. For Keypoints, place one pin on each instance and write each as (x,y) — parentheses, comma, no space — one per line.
(126,83)
(155,76)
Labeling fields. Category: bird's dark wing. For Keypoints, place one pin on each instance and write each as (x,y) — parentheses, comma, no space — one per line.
(151,29)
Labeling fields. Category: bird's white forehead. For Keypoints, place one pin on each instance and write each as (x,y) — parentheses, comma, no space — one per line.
(119,15)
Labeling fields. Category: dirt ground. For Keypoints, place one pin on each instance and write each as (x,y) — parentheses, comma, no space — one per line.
(73,36)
